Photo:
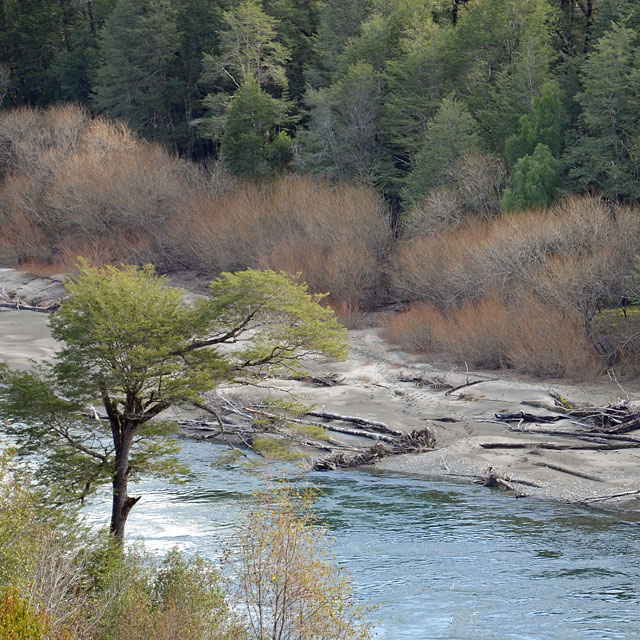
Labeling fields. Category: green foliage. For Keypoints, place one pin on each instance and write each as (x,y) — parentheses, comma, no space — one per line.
(134,80)
(605,152)
(248,47)
(340,21)
(297,22)
(18,621)
(342,136)
(177,598)
(250,145)
(285,320)
(536,180)
(27,28)
(501,42)
(450,134)
(131,343)
(547,124)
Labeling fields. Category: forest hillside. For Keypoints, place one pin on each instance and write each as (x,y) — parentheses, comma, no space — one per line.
(473,163)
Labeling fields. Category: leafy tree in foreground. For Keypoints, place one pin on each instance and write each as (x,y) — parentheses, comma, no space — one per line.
(131,343)
(286,586)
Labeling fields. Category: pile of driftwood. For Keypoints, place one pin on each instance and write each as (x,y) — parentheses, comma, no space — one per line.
(414,442)
(602,427)
(240,424)
(7,302)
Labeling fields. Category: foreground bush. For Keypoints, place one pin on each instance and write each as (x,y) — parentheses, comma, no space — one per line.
(59,581)
(287,586)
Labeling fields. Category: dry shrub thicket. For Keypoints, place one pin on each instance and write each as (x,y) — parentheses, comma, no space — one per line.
(522,290)
(71,185)
(473,191)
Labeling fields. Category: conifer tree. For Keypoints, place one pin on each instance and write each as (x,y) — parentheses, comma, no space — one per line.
(251,145)
(134,80)
(450,134)
(604,154)
(536,180)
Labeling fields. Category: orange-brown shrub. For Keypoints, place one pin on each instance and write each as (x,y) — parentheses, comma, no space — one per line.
(334,235)
(71,185)
(519,251)
(412,329)
(528,336)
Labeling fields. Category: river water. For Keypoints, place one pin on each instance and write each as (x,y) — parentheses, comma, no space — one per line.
(444,560)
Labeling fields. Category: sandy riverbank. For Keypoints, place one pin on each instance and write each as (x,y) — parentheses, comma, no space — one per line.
(372,389)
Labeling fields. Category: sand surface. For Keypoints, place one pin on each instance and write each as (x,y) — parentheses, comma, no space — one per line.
(372,389)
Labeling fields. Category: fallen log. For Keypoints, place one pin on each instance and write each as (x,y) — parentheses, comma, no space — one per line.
(626,426)
(328,380)
(493,480)
(571,472)
(521,416)
(436,383)
(28,307)
(374,425)
(329,427)
(581,435)
(414,442)
(464,386)
(557,447)
(610,497)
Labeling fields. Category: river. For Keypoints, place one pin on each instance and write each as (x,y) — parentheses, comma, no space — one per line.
(444,560)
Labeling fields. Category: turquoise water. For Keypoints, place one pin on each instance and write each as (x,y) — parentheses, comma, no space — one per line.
(444,560)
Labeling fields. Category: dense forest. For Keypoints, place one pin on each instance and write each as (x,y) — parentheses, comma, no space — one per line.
(402,95)
(473,164)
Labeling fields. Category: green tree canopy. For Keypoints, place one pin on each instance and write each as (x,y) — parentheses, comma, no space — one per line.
(450,134)
(134,80)
(251,145)
(605,151)
(131,344)
(547,124)
(248,47)
(536,180)
(341,140)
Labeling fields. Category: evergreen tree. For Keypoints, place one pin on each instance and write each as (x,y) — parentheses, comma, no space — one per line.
(342,136)
(251,146)
(499,57)
(604,154)
(248,47)
(340,21)
(31,35)
(199,23)
(415,84)
(248,54)
(134,81)
(297,25)
(536,180)
(547,124)
(450,134)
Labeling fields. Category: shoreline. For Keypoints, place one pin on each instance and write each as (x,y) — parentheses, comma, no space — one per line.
(377,384)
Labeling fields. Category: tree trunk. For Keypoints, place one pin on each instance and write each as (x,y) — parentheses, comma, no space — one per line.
(122,502)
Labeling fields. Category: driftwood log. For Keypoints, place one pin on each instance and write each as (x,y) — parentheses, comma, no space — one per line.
(414,442)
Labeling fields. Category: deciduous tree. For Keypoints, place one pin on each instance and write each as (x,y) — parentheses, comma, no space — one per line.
(130,343)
